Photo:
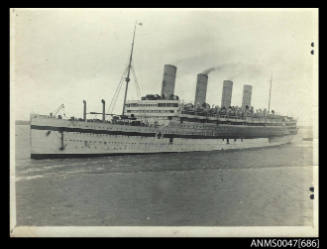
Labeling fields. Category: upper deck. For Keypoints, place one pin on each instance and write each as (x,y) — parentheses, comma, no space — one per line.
(164,109)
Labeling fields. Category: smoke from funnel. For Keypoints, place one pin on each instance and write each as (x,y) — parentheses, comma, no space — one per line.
(225,67)
(211,69)
(233,70)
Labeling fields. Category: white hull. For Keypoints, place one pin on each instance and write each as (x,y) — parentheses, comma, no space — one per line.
(54,143)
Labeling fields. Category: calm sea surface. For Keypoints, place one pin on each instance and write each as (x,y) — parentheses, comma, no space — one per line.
(266,187)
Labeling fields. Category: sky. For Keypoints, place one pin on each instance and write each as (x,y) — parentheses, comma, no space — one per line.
(62,56)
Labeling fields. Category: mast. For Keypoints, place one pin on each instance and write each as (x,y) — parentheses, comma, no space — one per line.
(269,100)
(127,79)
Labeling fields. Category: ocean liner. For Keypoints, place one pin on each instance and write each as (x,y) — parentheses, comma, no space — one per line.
(161,123)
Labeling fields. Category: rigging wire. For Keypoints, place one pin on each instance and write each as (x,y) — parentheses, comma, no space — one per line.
(115,96)
(115,101)
(138,89)
(137,82)
(120,84)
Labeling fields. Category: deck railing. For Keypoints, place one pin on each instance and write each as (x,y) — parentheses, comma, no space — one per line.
(244,116)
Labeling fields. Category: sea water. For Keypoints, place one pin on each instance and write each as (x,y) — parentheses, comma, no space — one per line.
(257,187)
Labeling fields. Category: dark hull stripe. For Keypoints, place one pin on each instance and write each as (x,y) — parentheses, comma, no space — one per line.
(143,134)
(93,131)
(53,156)
(49,156)
(222,136)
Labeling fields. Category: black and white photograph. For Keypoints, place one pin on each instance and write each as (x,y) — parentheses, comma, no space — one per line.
(164,122)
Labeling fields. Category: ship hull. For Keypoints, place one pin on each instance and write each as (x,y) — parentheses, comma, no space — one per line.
(53,138)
